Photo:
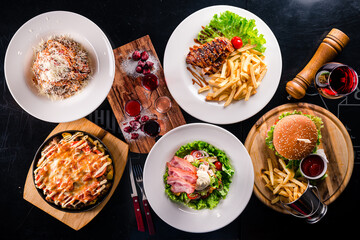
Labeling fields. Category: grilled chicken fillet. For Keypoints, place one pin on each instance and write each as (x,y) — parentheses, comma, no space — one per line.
(211,55)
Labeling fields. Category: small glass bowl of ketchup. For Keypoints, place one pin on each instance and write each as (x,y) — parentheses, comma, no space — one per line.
(313,166)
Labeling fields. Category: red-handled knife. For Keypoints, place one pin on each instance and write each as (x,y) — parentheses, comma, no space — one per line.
(135,199)
(139,180)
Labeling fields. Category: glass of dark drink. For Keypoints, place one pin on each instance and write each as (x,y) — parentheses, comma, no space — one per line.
(150,82)
(151,128)
(335,80)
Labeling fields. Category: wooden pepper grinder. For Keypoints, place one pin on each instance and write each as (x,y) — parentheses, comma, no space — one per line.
(329,48)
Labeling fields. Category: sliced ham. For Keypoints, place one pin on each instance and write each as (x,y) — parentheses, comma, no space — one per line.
(182,164)
(179,185)
(178,172)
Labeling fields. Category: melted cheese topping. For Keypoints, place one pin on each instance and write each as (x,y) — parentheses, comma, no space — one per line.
(69,172)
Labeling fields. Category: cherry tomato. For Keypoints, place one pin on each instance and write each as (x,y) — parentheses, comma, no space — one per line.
(236,42)
(218,165)
(193,196)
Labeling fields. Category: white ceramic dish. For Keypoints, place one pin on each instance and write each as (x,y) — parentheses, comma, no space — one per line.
(178,215)
(178,78)
(322,156)
(20,54)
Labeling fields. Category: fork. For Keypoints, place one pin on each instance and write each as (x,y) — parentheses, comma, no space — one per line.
(139,181)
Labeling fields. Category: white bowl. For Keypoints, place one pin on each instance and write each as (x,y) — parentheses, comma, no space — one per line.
(323,171)
(20,54)
(178,78)
(180,216)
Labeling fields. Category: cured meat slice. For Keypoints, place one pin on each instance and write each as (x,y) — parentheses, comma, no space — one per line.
(211,55)
(182,164)
(178,172)
(179,185)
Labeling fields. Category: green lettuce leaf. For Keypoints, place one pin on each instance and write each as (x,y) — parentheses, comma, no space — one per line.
(225,175)
(229,25)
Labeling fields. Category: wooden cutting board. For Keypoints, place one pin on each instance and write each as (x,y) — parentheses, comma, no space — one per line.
(127,86)
(335,141)
(119,151)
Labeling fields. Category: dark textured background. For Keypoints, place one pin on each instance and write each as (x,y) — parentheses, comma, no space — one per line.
(299,26)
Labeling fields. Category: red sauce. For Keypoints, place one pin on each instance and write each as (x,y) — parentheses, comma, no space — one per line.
(133,108)
(312,166)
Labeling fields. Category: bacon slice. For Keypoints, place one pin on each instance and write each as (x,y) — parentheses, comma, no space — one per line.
(179,185)
(182,164)
(178,172)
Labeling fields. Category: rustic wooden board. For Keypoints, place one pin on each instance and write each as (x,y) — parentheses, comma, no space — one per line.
(119,151)
(127,86)
(335,141)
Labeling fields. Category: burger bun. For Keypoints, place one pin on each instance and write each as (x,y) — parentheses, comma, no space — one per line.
(295,137)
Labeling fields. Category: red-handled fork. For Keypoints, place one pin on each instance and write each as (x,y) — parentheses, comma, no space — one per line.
(139,180)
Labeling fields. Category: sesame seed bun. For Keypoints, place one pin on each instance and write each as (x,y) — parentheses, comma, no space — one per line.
(287,133)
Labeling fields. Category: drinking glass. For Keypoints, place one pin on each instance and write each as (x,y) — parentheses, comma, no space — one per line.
(163,104)
(133,108)
(335,80)
(151,128)
(150,82)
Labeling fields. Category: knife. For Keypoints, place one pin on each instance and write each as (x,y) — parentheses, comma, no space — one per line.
(135,200)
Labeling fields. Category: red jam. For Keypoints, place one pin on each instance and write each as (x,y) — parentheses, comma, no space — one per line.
(312,166)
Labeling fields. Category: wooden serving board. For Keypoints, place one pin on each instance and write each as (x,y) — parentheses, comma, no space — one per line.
(335,141)
(127,86)
(119,151)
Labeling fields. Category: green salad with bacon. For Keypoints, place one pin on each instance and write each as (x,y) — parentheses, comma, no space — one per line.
(204,159)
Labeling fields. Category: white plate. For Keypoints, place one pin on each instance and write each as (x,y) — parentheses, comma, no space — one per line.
(180,216)
(19,57)
(178,78)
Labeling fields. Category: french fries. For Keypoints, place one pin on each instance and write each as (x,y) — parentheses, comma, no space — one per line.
(282,182)
(203,89)
(238,78)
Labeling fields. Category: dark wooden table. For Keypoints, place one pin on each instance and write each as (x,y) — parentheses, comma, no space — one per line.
(299,26)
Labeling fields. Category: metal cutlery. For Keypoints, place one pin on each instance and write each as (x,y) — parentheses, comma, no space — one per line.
(135,199)
(139,180)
